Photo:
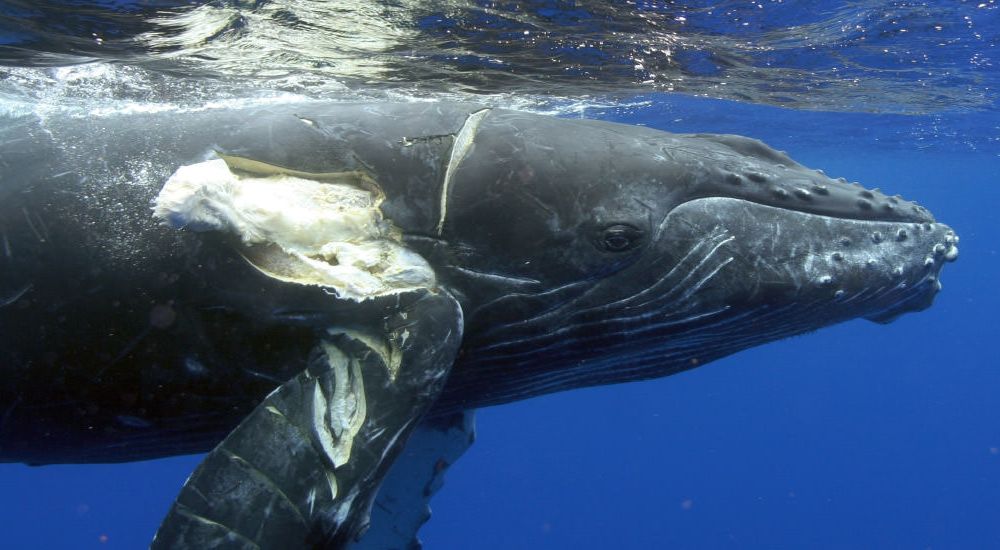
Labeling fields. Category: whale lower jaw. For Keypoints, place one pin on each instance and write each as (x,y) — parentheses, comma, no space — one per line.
(742,274)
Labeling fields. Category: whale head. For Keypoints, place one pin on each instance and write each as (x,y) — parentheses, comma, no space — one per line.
(592,253)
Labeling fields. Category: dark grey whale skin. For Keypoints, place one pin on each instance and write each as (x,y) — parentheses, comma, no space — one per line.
(581,252)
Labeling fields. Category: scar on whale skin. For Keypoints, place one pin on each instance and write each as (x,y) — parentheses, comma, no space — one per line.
(461,147)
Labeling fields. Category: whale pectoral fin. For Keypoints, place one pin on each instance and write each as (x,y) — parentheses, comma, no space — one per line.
(302,470)
(402,504)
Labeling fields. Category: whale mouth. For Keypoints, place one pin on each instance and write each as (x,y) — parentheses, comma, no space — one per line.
(849,233)
(721,275)
(875,269)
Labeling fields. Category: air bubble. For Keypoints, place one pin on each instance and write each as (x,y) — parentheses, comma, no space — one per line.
(877,237)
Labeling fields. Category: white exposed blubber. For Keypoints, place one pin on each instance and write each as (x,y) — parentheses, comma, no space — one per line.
(325,233)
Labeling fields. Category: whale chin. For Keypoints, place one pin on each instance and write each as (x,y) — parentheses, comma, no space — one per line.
(918,302)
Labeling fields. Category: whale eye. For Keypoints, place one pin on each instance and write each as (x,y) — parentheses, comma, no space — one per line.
(620,237)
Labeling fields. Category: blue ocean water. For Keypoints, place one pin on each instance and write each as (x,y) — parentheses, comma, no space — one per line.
(857,436)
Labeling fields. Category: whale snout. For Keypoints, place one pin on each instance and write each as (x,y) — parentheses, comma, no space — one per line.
(800,235)
(748,169)
(935,244)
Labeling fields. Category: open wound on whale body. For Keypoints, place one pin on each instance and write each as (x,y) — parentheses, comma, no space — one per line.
(362,387)
(312,229)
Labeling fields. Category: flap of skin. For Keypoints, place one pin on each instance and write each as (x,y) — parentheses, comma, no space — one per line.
(313,229)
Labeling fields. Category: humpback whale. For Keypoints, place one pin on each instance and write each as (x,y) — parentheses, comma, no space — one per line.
(319,295)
